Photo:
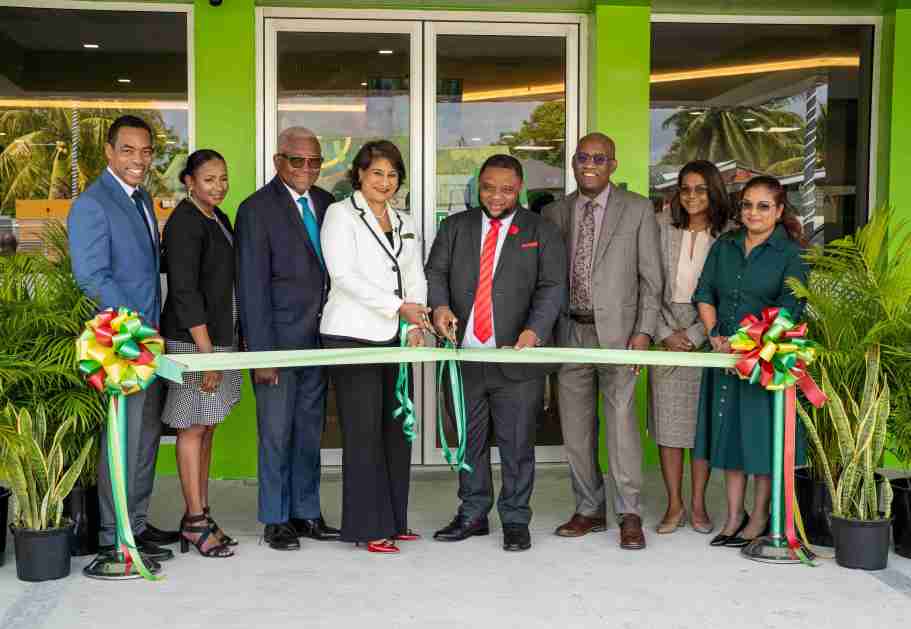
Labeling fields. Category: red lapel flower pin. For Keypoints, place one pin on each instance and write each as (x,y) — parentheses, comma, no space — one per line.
(513,230)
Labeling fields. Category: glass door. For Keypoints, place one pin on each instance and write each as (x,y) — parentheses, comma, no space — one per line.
(349,82)
(498,88)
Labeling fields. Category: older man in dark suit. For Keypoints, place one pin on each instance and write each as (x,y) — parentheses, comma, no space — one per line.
(497,277)
(282,285)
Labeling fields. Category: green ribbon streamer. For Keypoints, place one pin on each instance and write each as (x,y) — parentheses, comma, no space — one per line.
(117,431)
(453,368)
(405,409)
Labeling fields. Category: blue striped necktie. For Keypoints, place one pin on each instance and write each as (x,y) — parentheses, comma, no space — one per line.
(312,227)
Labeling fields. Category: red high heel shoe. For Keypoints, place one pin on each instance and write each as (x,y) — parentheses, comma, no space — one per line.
(407,536)
(386,546)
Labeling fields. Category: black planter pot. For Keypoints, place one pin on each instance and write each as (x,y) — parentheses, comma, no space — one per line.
(82,508)
(815,506)
(42,555)
(861,544)
(901,516)
(4,511)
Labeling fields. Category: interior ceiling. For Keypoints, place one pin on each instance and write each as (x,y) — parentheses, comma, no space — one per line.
(40,30)
(718,45)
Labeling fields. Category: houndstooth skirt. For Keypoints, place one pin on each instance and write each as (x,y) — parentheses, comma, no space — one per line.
(187,405)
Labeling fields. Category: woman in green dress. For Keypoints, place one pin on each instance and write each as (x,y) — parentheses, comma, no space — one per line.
(744,273)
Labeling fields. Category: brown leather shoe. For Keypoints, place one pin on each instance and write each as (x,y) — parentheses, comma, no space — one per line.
(631,535)
(580,525)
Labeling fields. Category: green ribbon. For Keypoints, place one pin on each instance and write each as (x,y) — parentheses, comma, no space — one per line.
(453,369)
(405,409)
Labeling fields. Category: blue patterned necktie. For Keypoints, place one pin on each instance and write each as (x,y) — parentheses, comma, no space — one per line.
(312,227)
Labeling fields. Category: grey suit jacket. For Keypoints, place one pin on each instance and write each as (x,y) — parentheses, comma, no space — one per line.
(627,275)
(529,281)
(668,321)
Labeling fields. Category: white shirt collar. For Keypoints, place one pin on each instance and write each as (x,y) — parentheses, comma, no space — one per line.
(504,222)
(126,187)
(295,196)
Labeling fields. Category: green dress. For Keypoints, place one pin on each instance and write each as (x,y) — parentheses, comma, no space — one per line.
(734,425)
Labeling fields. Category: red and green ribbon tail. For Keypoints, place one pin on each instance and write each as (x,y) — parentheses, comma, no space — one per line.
(775,355)
(118,355)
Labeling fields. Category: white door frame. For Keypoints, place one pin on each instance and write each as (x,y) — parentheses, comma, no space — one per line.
(423,26)
(433,454)
(267,144)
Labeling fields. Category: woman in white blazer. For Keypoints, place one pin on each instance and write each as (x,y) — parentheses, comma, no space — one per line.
(375,264)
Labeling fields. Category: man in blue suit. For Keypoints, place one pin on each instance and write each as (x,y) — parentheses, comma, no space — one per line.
(114,244)
(282,286)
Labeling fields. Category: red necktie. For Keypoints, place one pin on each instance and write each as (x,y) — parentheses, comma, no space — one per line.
(483,322)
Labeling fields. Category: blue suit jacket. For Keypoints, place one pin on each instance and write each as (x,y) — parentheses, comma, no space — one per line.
(281,285)
(114,260)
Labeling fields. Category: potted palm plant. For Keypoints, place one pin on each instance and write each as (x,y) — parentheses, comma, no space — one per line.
(41,311)
(40,481)
(858,295)
(860,515)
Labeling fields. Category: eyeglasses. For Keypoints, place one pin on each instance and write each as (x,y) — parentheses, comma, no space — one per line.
(763,207)
(598,159)
(313,163)
(698,191)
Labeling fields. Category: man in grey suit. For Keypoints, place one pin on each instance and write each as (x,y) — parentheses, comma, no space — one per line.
(114,245)
(615,286)
(497,277)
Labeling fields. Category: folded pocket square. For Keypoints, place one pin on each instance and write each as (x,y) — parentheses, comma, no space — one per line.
(529,245)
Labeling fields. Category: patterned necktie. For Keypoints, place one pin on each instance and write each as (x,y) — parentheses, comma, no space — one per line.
(137,199)
(483,322)
(581,294)
(312,228)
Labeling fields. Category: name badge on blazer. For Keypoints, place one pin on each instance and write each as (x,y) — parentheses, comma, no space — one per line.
(529,245)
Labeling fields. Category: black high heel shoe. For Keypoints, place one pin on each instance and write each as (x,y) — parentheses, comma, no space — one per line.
(223,537)
(205,532)
(722,540)
(735,541)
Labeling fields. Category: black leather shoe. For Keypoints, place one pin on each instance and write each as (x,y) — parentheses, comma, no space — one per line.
(722,540)
(736,541)
(516,538)
(157,536)
(148,550)
(461,528)
(281,537)
(315,529)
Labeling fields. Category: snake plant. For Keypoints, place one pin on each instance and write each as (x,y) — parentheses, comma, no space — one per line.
(860,429)
(34,465)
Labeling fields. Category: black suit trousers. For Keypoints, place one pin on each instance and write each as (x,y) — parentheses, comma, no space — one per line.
(510,408)
(376,457)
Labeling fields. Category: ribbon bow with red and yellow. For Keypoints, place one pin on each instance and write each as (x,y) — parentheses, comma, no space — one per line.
(117,354)
(775,355)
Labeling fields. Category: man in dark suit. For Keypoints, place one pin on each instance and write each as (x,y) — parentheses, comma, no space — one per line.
(497,277)
(114,244)
(282,286)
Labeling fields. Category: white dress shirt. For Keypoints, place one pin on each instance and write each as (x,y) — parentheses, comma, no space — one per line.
(150,222)
(295,196)
(470,340)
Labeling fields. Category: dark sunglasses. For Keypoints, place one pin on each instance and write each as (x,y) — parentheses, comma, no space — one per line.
(598,159)
(299,162)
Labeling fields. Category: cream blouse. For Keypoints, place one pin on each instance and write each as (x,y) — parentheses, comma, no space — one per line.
(689,269)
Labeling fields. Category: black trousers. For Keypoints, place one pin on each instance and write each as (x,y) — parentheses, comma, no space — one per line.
(511,409)
(376,457)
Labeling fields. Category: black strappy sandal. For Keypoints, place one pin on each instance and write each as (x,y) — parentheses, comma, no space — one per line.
(223,537)
(205,532)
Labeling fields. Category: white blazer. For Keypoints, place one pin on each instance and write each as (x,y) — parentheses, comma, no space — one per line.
(369,280)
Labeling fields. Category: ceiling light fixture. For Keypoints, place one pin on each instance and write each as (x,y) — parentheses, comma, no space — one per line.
(124,81)
(364,84)
(512,92)
(169,105)
(90,46)
(385,51)
(811,63)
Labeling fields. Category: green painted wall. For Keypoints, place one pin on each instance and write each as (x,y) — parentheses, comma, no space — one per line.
(225,115)
(900,132)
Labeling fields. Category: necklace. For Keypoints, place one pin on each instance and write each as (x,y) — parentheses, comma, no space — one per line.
(198,207)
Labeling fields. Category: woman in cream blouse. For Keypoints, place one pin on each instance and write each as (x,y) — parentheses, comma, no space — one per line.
(699,213)
(376,274)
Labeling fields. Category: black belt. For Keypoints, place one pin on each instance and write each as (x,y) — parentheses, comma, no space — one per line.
(587,318)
